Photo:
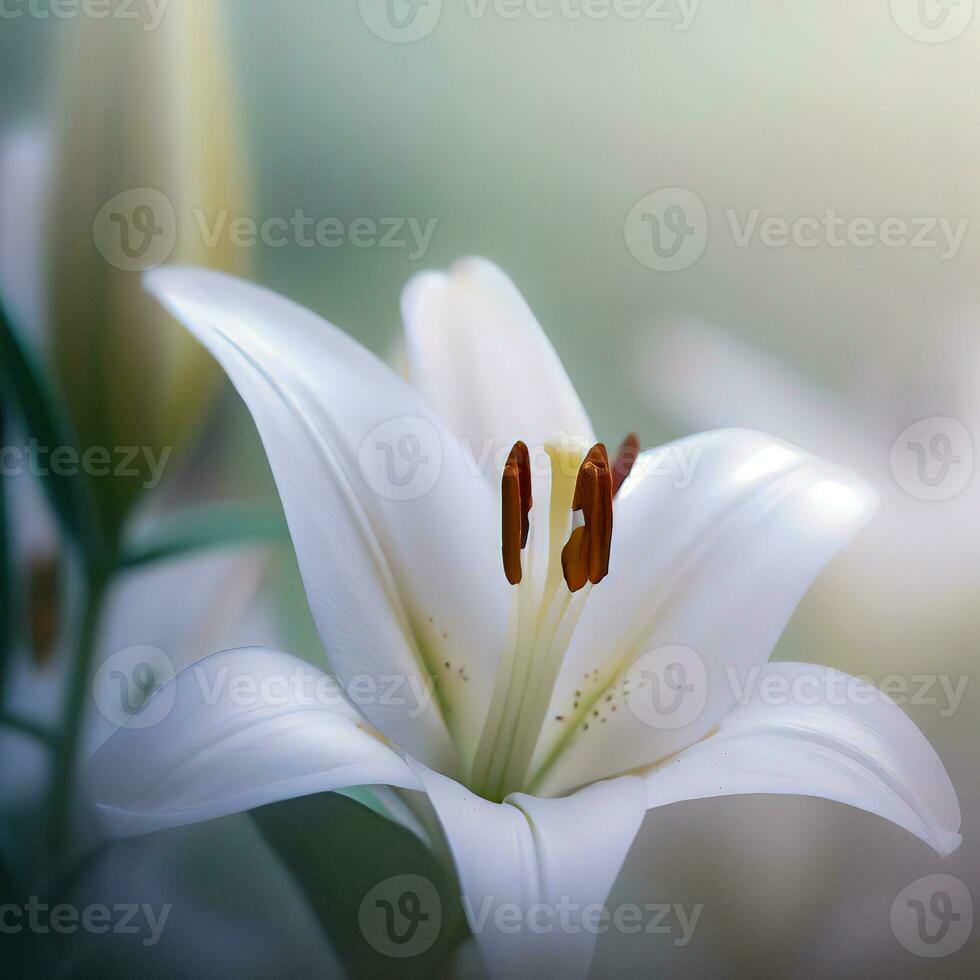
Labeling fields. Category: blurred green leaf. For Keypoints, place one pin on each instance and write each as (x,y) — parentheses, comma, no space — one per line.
(46,421)
(207,526)
(383,899)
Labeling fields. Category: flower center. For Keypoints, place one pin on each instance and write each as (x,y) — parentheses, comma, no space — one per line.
(552,581)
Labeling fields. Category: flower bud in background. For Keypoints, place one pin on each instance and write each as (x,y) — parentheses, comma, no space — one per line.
(147,152)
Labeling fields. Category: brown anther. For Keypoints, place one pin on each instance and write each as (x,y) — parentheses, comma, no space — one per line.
(626,456)
(516,509)
(585,558)
(575,560)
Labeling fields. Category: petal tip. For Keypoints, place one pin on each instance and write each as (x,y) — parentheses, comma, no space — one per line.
(946,843)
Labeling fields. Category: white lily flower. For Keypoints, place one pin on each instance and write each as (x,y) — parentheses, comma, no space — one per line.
(538,763)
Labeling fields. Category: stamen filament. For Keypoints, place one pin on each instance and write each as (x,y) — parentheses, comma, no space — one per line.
(562,618)
(545,613)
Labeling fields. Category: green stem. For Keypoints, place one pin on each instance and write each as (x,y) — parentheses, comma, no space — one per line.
(63,784)
(27,727)
(46,419)
(6,584)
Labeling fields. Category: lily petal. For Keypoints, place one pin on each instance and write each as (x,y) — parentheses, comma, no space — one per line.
(831,736)
(716,539)
(483,362)
(534,871)
(380,558)
(237,730)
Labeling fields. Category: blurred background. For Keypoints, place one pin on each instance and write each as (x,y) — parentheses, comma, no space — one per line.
(755,214)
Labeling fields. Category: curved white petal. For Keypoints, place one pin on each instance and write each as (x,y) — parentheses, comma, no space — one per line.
(237,730)
(715,540)
(24,172)
(813,731)
(535,871)
(381,549)
(481,360)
